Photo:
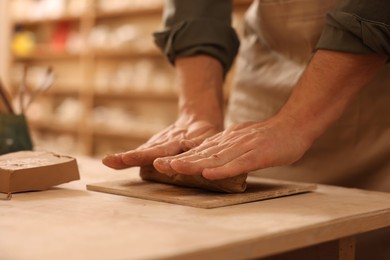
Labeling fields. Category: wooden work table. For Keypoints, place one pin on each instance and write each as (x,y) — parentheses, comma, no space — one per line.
(69,222)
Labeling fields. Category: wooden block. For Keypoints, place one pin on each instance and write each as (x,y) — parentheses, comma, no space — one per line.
(35,170)
(257,189)
(229,185)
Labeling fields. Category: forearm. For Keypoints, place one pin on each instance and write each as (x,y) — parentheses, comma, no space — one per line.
(200,80)
(329,84)
(199,41)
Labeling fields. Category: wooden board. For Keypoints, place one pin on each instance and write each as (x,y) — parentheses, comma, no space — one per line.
(258,189)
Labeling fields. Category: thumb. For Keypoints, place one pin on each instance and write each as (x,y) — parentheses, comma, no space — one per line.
(114,161)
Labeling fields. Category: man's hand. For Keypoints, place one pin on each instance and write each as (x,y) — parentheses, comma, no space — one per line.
(171,141)
(199,79)
(328,85)
(239,149)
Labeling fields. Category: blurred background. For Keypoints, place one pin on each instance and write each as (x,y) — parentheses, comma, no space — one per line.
(112,88)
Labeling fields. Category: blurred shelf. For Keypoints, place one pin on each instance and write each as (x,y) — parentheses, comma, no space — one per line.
(139,11)
(107,54)
(52,126)
(90,61)
(128,53)
(137,95)
(61,91)
(153,10)
(47,56)
(32,22)
(134,135)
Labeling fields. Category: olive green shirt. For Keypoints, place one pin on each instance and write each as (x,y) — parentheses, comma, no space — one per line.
(204,27)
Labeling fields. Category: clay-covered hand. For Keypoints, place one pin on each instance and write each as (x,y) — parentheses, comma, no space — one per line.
(165,143)
(239,149)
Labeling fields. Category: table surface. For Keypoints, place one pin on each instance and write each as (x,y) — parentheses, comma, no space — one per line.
(69,222)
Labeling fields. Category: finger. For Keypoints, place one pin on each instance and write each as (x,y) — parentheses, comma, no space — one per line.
(205,149)
(163,166)
(147,156)
(194,167)
(191,155)
(186,145)
(190,142)
(242,164)
(114,161)
(209,148)
(213,157)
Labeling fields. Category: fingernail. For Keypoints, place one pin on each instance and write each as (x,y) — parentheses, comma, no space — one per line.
(113,161)
(176,161)
(209,174)
(162,165)
(177,165)
(128,157)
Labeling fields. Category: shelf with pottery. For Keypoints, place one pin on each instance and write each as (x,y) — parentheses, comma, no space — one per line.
(131,95)
(133,134)
(151,10)
(61,91)
(93,90)
(46,56)
(39,21)
(126,53)
(53,126)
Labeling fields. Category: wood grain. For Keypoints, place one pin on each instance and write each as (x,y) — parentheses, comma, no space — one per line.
(257,189)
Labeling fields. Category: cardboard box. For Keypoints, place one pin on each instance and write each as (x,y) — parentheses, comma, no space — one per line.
(35,170)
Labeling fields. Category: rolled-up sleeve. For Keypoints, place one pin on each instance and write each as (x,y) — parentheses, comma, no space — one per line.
(198,27)
(358,26)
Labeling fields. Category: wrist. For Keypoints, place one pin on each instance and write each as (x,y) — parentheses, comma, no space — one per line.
(200,82)
(189,116)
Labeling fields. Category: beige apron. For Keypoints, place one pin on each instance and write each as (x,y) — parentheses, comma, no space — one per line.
(278,42)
